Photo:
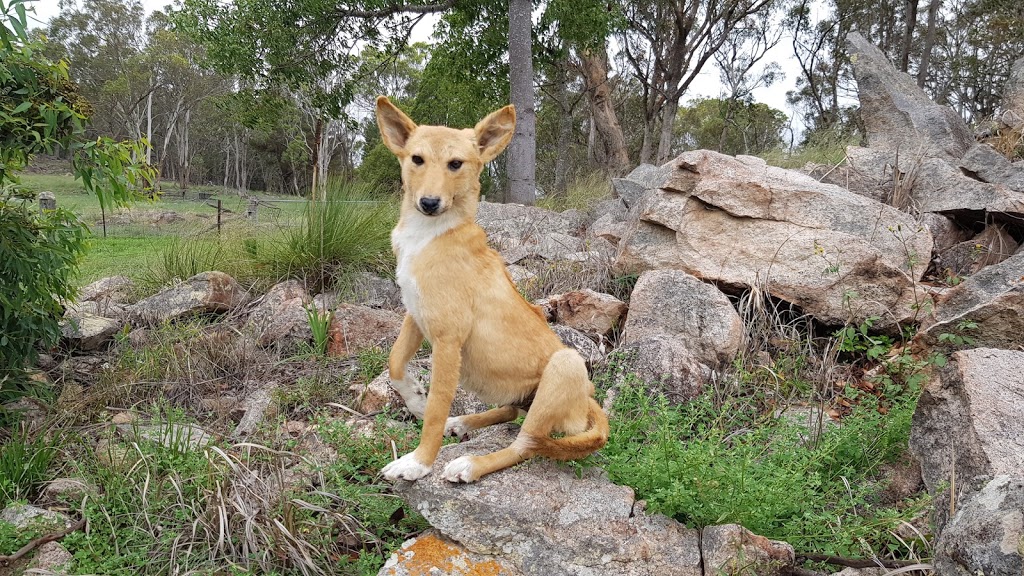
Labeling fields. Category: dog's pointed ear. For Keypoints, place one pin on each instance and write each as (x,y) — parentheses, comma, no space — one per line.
(494,132)
(395,126)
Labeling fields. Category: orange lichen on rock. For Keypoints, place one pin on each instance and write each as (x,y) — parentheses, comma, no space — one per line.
(431,551)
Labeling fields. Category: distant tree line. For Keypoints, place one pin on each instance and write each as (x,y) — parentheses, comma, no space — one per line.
(259,94)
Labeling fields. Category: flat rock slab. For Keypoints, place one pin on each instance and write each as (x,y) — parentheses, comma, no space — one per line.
(544,518)
(205,292)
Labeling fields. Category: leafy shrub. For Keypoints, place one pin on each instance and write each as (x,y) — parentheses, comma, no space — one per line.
(37,259)
(706,464)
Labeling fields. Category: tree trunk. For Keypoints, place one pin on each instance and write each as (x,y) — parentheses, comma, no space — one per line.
(149,128)
(605,121)
(668,122)
(522,152)
(929,43)
(564,129)
(908,34)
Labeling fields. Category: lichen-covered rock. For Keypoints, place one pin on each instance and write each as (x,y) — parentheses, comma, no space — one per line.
(431,554)
(969,420)
(113,289)
(50,558)
(987,308)
(732,549)
(585,310)
(205,292)
(378,395)
(279,317)
(545,518)
(897,114)
(986,535)
(357,328)
(88,332)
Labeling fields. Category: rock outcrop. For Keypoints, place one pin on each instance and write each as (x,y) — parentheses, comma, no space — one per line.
(987,308)
(543,518)
(203,293)
(899,115)
(837,255)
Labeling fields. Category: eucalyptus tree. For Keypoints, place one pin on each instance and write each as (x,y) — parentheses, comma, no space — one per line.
(668,43)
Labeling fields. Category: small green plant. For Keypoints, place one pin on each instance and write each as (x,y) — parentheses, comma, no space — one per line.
(959,339)
(858,339)
(320,325)
(24,466)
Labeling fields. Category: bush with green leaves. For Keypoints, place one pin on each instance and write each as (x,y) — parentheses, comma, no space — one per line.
(41,111)
(706,463)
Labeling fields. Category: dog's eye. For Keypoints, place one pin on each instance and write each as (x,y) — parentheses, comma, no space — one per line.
(455,165)
(417,160)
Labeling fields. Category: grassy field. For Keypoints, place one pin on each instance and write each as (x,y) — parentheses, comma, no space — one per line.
(138,236)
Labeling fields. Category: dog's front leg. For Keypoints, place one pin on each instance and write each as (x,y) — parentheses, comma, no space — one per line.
(409,340)
(447,361)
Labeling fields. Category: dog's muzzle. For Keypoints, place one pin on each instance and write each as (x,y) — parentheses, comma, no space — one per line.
(429,205)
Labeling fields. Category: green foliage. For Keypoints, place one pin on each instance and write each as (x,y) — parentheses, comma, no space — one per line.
(320,326)
(351,231)
(729,126)
(40,111)
(380,168)
(37,259)
(706,464)
(24,466)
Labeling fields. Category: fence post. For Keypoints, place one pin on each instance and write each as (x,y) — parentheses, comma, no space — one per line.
(47,202)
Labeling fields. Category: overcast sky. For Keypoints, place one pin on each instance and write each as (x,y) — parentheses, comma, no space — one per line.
(707,84)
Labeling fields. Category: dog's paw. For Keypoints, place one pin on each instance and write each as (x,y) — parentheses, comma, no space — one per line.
(455,427)
(405,468)
(460,470)
(413,394)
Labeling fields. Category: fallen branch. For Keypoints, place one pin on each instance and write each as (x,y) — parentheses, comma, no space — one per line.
(857,562)
(7,560)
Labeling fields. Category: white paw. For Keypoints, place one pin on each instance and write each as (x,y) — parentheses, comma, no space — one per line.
(459,470)
(406,468)
(413,394)
(454,426)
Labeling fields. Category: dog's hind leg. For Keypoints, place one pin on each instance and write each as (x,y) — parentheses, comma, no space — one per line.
(409,340)
(560,404)
(459,426)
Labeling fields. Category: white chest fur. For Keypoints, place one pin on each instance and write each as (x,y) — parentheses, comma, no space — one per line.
(409,239)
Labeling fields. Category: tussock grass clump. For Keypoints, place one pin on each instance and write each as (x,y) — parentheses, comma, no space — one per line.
(24,465)
(349,232)
(827,147)
(582,194)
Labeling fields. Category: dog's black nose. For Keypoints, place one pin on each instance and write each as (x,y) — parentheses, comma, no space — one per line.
(430,204)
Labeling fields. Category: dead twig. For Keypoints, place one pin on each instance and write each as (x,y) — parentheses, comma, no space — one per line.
(858,562)
(8,560)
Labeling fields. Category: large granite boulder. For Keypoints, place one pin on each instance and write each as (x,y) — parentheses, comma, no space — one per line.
(969,420)
(897,113)
(679,331)
(985,163)
(738,222)
(86,331)
(205,292)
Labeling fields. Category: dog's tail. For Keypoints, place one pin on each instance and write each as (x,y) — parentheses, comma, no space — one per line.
(577,445)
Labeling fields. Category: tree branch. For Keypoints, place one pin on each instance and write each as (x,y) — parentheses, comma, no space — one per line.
(396,9)
(7,560)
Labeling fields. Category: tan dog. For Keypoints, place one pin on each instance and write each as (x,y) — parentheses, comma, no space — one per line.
(458,295)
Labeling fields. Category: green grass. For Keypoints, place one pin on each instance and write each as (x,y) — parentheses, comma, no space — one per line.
(582,194)
(706,463)
(826,148)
